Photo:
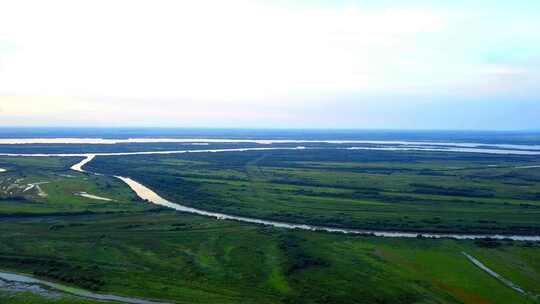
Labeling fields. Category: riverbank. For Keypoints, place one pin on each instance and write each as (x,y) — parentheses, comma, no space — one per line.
(147,194)
(30,281)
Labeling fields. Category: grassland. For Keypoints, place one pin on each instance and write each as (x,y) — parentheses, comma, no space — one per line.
(415,191)
(56,188)
(188,259)
(132,248)
(32,298)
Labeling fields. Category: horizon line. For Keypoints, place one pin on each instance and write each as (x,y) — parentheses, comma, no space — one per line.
(267,128)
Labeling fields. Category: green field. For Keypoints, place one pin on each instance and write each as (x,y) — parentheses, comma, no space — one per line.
(188,259)
(59,187)
(129,247)
(445,192)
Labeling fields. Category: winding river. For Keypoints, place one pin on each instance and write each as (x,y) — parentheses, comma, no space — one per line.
(147,194)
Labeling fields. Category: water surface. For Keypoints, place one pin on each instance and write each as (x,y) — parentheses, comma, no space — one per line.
(95,197)
(146,193)
(102,141)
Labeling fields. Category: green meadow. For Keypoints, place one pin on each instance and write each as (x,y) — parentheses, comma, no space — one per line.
(132,248)
(427,191)
(188,259)
(58,188)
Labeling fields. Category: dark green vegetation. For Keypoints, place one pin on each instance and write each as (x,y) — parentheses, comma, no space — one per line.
(132,248)
(188,259)
(32,298)
(415,191)
(110,148)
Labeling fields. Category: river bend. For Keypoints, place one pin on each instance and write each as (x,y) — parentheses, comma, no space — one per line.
(147,194)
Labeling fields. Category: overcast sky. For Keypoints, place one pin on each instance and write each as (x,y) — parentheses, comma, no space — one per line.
(324,64)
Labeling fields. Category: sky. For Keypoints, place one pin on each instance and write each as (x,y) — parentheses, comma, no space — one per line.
(271,64)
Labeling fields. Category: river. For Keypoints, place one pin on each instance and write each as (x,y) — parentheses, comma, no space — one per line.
(371,144)
(147,194)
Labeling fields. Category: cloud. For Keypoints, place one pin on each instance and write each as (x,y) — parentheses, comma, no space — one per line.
(503,71)
(199,49)
(249,62)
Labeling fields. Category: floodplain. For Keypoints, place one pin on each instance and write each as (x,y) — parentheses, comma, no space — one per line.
(92,232)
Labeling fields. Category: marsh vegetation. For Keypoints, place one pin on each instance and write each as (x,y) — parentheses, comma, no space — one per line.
(133,248)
